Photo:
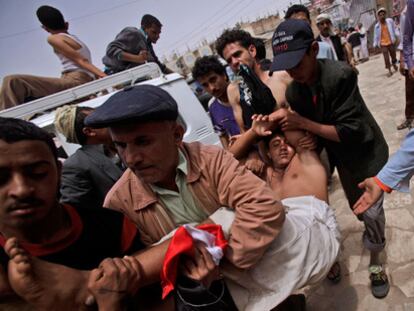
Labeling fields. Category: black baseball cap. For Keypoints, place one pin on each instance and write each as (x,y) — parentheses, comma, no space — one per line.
(141,103)
(290,42)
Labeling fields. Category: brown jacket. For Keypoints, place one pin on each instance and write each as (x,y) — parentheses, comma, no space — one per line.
(215,178)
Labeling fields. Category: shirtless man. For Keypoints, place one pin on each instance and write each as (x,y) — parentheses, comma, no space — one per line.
(237,48)
(73,54)
(294,167)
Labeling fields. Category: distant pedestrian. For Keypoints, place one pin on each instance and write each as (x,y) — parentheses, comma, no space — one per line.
(364,42)
(342,49)
(77,67)
(385,38)
(354,39)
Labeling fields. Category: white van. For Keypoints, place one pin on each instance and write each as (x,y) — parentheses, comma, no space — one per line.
(196,122)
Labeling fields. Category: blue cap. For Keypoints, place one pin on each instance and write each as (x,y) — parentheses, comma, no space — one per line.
(290,42)
(141,103)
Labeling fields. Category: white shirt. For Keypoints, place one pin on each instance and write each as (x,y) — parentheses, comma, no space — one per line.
(329,41)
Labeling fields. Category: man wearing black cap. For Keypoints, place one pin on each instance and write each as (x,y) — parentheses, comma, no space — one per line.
(169,182)
(326,102)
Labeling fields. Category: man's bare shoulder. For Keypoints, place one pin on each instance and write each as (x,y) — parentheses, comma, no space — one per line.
(233,87)
(280,77)
(233,93)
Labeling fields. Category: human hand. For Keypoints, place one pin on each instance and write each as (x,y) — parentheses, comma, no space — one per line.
(292,121)
(371,195)
(262,125)
(200,268)
(278,115)
(402,69)
(143,55)
(254,163)
(113,281)
(352,62)
(309,141)
(411,73)
(101,75)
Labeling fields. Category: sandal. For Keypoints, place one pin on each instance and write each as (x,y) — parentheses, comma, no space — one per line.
(334,275)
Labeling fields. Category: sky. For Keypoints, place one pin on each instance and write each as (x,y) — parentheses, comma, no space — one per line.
(24,49)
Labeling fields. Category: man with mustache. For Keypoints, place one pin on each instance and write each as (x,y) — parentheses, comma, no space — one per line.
(78,238)
(211,74)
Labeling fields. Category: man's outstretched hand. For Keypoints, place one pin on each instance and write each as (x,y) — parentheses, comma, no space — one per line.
(371,195)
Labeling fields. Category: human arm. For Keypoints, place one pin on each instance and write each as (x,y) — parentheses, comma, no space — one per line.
(278,84)
(396,174)
(201,267)
(293,121)
(233,95)
(376,35)
(240,147)
(139,58)
(258,214)
(113,282)
(254,162)
(349,54)
(60,45)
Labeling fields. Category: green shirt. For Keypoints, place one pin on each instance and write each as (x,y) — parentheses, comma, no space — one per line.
(180,204)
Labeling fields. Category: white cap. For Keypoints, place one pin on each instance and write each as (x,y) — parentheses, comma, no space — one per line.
(381,9)
(323,17)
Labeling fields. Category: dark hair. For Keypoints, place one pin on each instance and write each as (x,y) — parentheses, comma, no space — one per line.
(351,29)
(207,64)
(260,48)
(297,8)
(51,17)
(149,20)
(232,36)
(15,130)
(276,132)
(265,64)
(80,123)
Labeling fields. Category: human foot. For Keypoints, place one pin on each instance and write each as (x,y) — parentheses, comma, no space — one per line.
(380,285)
(31,278)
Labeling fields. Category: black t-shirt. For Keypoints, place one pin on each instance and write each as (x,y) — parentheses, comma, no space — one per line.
(96,234)
(354,39)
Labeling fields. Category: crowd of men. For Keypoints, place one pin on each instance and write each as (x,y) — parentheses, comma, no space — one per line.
(138,219)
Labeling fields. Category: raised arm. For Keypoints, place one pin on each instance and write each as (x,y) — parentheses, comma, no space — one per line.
(234,101)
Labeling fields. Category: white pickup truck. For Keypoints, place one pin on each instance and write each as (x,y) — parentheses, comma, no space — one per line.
(196,122)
